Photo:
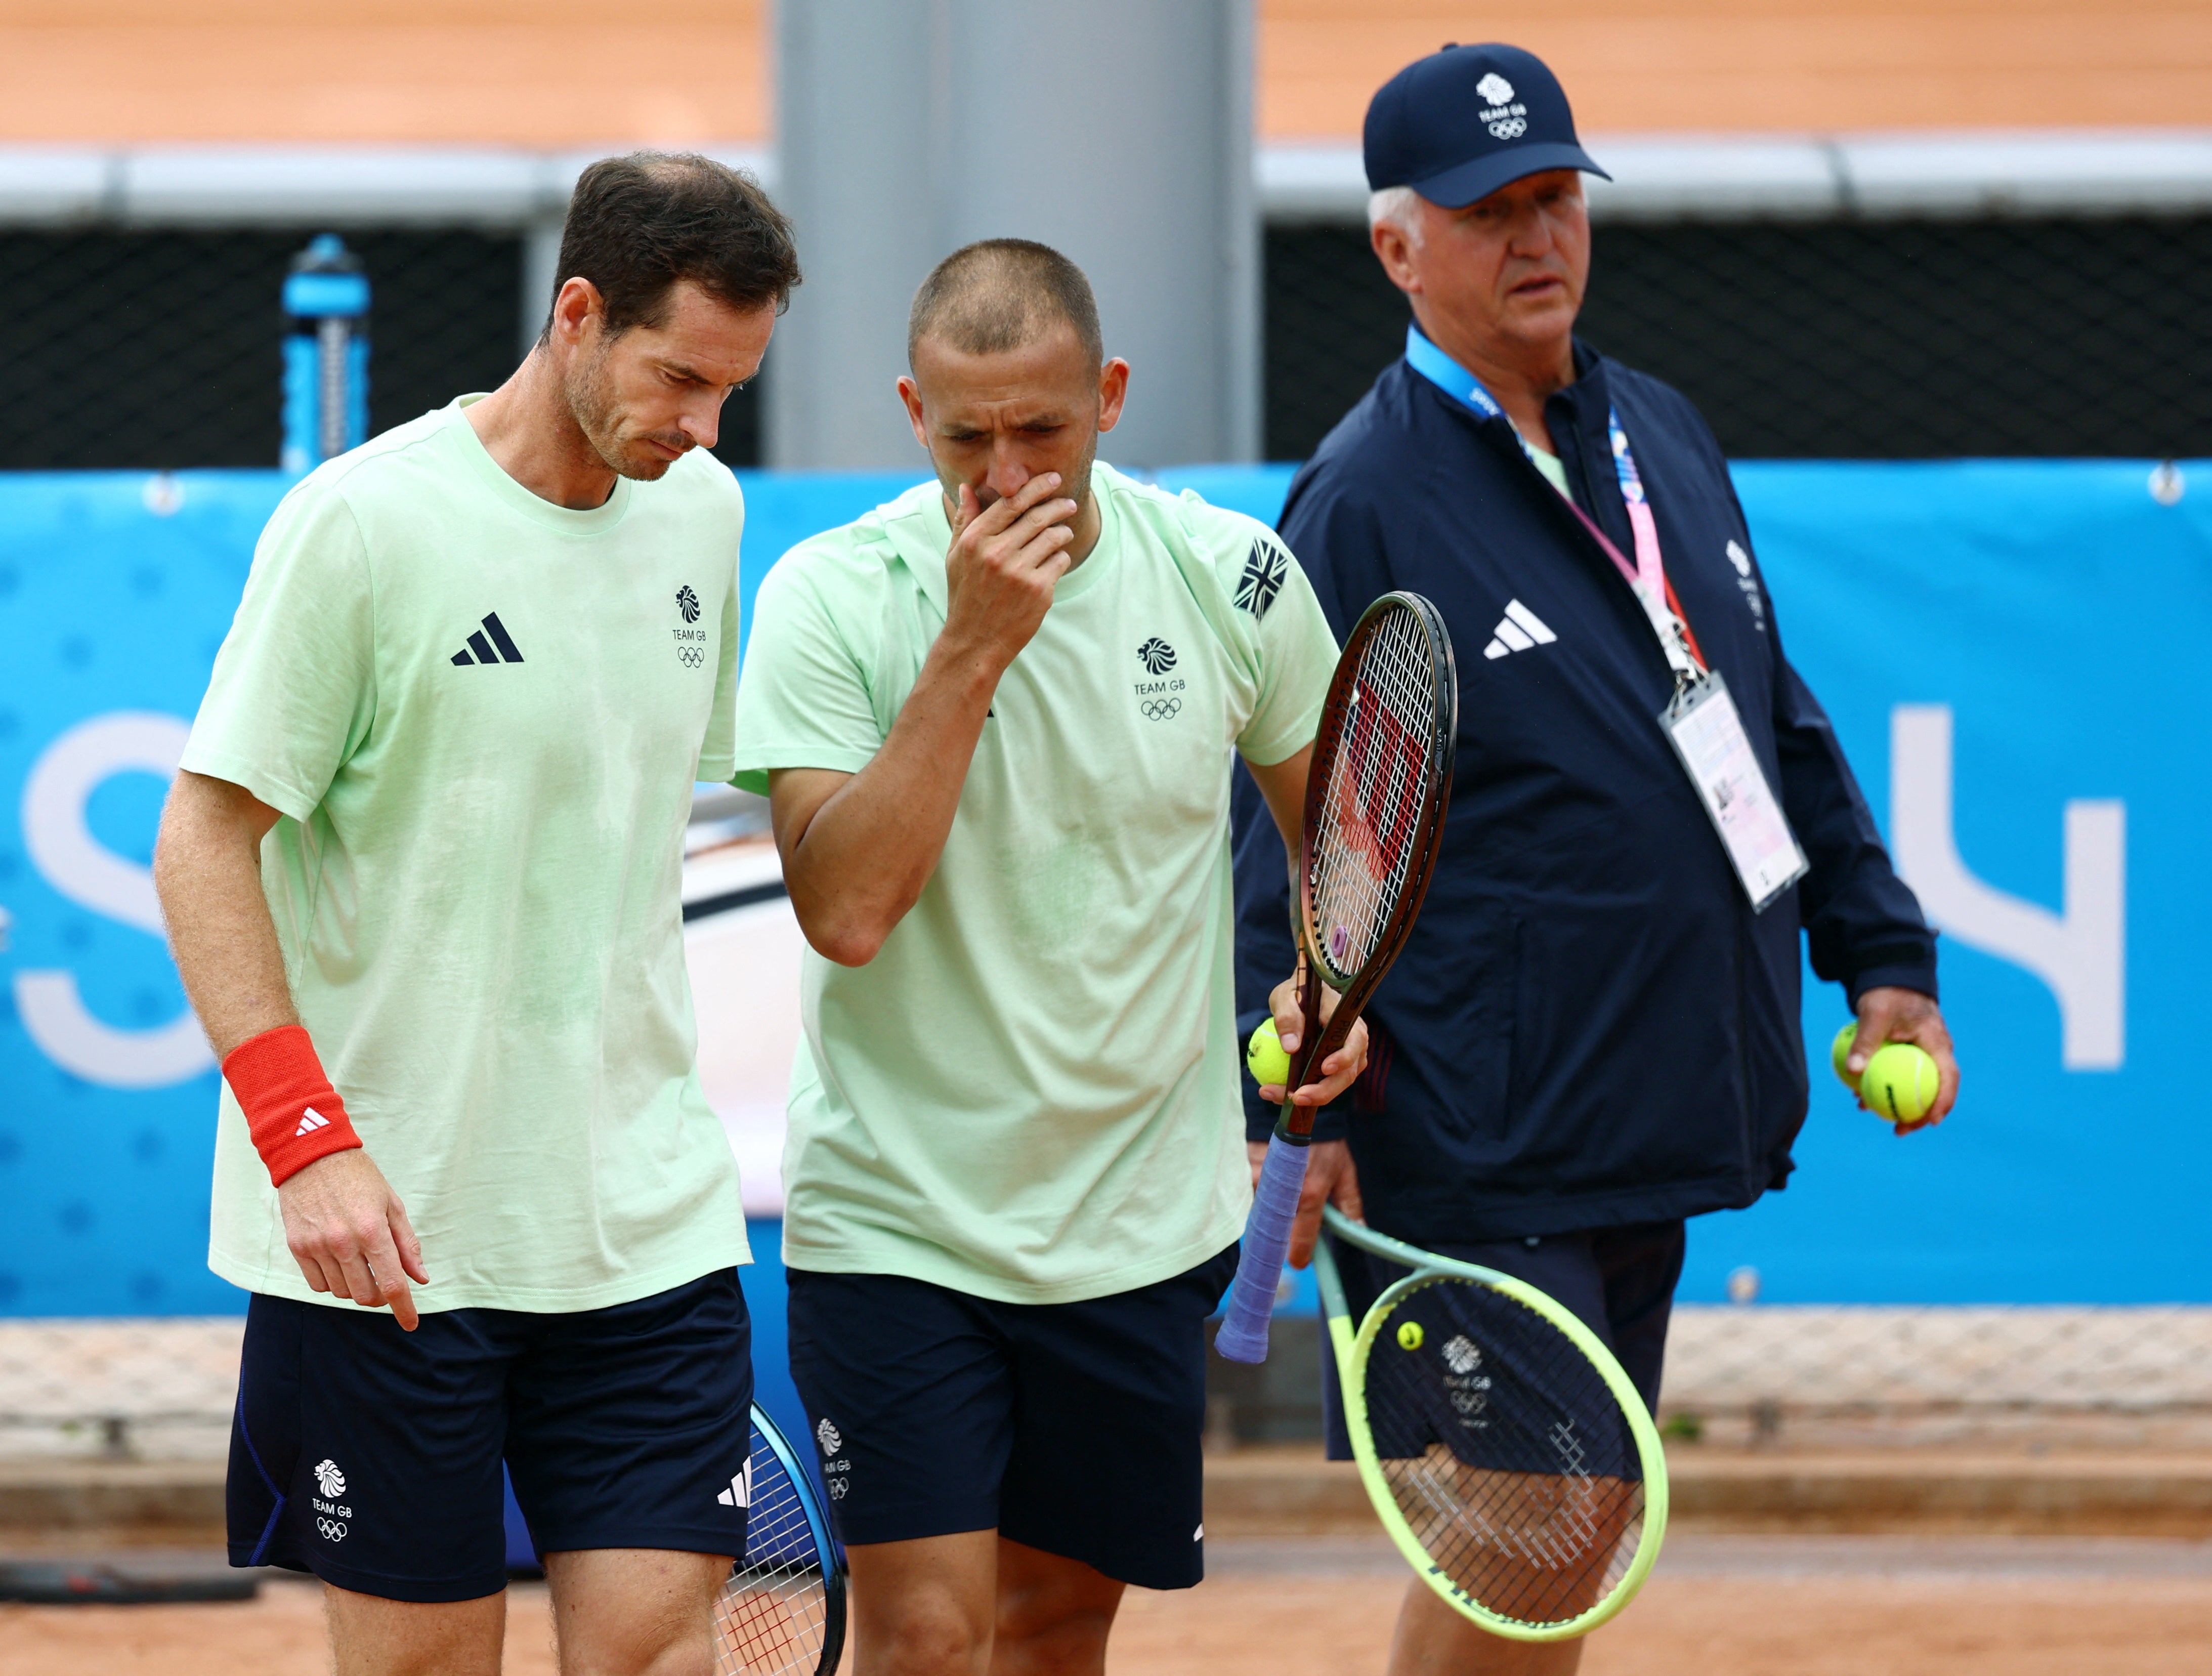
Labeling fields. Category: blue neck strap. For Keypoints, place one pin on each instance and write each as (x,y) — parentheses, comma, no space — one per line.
(1464,387)
(1449,376)
(1647,576)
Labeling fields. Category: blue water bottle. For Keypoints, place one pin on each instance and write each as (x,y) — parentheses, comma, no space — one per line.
(326,354)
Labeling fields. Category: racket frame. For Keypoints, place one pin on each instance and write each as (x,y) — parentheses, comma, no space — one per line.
(1353,1349)
(1243,1334)
(825,1543)
(1354,990)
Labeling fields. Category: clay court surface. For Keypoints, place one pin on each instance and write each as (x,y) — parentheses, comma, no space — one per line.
(1719,1605)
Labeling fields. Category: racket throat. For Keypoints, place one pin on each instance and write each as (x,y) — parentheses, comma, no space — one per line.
(1296,1124)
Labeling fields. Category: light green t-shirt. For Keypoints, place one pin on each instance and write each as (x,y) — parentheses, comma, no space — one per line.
(481,716)
(1031,1094)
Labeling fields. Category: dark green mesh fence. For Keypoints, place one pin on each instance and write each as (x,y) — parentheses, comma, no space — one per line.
(1847,340)
(160,350)
(1872,338)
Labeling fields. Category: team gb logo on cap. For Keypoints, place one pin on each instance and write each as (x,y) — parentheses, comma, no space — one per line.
(1505,119)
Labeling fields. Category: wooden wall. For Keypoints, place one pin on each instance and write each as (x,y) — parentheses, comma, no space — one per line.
(1707,66)
(535,73)
(550,73)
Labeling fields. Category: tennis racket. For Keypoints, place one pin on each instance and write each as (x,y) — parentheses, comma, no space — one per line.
(782,1612)
(1374,815)
(1508,1455)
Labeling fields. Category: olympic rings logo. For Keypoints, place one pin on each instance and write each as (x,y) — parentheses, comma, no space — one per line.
(691,656)
(331,1530)
(1512,128)
(1159,709)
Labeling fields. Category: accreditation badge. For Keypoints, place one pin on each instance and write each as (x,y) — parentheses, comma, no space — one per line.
(1708,735)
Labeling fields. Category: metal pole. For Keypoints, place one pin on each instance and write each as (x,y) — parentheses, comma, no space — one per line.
(1121,135)
(541,256)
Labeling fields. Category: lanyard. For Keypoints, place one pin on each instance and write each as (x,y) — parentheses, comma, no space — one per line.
(1647,577)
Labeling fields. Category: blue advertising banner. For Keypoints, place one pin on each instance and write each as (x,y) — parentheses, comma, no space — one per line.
(115,590)
(2008,648)
(2012,653)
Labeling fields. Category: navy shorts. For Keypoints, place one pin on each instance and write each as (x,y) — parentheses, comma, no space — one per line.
(1620,1282)
(1073,1428)
(370,1457)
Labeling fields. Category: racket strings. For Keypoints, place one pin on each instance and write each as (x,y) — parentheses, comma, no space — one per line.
(1365,843)
(772,1617)
(1506,1451)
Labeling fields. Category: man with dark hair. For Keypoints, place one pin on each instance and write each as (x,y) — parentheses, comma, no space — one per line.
(427,834)
(637,225)
(996,720)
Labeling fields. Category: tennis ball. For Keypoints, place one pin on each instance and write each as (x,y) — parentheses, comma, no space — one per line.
(1410,1335)
(1264,1057)
(1839,1053)
(1899,1083)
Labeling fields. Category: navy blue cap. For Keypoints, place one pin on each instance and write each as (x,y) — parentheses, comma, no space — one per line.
(1460,123)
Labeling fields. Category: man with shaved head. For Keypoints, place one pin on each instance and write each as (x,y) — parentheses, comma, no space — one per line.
(996,720)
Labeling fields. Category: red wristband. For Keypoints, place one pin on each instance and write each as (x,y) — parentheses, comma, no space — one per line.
(292,1112)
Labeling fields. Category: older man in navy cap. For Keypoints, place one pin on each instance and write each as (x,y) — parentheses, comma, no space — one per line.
(1594,1032)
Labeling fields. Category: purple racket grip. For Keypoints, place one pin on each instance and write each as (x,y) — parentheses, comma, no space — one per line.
(1244,1335)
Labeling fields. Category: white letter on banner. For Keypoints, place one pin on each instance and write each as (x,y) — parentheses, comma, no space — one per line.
(62,781)
(2081,953)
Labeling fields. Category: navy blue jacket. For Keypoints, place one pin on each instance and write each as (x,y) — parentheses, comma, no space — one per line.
(1589,1027)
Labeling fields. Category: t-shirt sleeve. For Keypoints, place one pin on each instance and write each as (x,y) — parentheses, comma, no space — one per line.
(717,759)
(1298,656)
(803,696)
(294,691)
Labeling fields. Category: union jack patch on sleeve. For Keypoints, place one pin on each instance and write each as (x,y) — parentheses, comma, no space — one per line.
(1265,567)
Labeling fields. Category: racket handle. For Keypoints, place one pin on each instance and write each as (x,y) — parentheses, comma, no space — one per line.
(1244,1335)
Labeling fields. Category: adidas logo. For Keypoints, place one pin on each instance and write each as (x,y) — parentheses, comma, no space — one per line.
(740,1492)
(1517,631)
(483,648)
(308,1125)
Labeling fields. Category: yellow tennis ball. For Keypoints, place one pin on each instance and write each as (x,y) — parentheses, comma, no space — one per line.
(1410,1335)
(1264,1057)
(1839,1053)
(1899,1083)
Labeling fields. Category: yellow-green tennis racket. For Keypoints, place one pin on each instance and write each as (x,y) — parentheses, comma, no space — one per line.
(1508,1455)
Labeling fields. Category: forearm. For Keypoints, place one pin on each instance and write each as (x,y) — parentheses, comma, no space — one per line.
(207,873)
(344,1226)
(868,851)
(859,851)
(1864,928)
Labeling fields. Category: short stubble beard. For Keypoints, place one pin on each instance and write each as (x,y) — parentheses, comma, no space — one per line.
(591,404)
